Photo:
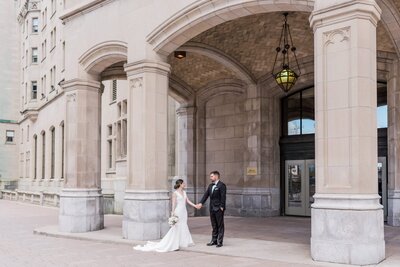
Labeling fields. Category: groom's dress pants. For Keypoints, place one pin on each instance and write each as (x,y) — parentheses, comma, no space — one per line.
(217,223)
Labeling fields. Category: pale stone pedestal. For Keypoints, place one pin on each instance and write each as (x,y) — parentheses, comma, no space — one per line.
(394,208)
(347,229)
(81,210)
(145,214)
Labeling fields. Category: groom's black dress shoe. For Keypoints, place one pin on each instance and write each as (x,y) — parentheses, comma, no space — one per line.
(219,245)
(211,244)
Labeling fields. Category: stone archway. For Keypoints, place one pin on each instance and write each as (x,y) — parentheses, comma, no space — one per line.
(332,194)
(81,200)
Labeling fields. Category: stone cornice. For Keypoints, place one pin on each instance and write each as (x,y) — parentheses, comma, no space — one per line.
(74,84)
(360,9)
(144,66)
(83,8)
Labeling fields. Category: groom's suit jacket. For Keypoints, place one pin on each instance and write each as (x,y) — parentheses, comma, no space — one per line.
(217,197)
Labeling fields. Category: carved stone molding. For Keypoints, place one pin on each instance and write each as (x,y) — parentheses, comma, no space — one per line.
(136,83)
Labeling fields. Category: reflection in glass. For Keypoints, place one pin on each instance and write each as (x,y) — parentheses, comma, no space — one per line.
(294,127)
(382,116)
(294,185)
(380,177)
(311,176)
(293,114)
(307,111)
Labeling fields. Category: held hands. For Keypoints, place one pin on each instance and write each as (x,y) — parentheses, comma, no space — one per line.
(198,206)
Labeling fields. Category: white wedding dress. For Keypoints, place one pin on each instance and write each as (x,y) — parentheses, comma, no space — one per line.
(179,234)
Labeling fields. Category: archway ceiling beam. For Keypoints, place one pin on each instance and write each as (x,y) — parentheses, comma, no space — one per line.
(391,20)
(181,91)
(226,60)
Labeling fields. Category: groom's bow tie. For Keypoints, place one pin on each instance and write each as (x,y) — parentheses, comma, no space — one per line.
(213,183)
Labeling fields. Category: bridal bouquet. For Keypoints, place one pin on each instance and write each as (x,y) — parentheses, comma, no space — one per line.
(173,220)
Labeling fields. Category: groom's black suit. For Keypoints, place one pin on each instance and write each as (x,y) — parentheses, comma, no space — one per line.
(217,210)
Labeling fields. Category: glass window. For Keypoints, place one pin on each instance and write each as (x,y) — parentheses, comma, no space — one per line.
(10,136)
(382,116)
(294,114)
(34,55)
(34,90)
(307,112)
(298,113)
(35,25)
(382,108)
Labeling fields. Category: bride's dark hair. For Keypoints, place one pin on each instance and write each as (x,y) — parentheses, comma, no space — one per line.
(178,183)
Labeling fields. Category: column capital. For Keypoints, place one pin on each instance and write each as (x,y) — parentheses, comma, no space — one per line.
(142,66)
(76,84)
(185,111)
(333,12)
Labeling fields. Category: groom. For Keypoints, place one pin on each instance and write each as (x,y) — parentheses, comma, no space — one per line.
(217,193)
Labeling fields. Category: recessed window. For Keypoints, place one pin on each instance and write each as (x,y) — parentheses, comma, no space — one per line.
(35,25)
(52,160)
(10,134)
(34,55)
(34,90)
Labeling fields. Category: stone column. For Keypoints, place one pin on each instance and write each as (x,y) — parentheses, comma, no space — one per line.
(146,203)
(393,89)
(81,201)
(186,149)
(347,219)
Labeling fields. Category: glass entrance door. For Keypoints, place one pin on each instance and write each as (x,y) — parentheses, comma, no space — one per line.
(300,186)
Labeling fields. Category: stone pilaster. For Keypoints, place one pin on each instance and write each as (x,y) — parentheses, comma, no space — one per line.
(393,88)
(81,201)
(146,203)
(347,219)
(186,145)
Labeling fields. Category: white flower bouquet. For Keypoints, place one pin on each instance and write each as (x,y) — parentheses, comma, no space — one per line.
(173,220)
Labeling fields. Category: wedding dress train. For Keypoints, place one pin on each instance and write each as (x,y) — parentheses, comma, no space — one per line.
(179,234)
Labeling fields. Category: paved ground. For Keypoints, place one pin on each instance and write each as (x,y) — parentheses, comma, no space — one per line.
(249,242)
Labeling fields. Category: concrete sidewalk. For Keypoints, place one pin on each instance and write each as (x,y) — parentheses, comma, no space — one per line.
(276,242)
(255,238)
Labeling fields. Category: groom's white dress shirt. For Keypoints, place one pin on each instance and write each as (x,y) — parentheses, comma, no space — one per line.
(214,186)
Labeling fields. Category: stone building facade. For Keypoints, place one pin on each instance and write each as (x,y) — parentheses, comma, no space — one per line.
(109,117)
(9,84)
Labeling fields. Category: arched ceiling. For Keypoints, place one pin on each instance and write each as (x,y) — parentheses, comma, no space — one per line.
(251,41)
(198,70)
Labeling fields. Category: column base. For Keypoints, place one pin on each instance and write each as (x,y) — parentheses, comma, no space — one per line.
(81,210)
(145,214)
(393,218)
(347,229)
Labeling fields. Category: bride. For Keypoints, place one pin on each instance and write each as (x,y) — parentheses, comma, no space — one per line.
(179,235)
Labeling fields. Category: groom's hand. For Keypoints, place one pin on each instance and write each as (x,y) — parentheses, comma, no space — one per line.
(198,206)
